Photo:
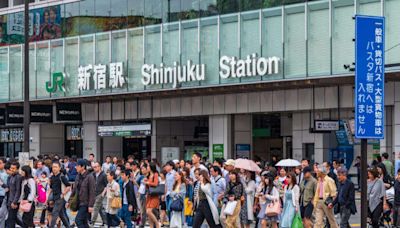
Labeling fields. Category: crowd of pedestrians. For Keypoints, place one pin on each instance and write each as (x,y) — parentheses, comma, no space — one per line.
(195,193)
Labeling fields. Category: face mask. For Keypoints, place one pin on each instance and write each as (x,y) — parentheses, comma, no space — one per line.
(117,172)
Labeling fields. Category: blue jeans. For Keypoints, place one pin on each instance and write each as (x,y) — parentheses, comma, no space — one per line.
(82,218)
(112,220)
(168,202)
(126,215)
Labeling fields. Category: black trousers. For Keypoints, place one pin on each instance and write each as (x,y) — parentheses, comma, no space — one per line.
(27,218)
(204,212)
(376,215)
(12,219)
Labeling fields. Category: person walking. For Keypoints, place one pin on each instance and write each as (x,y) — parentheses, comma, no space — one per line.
(142,194)
(376,197)
(290,201)
(178,193)
(3,199)
(249,186)
(13,185)
(107,165)
(219,186)
(324,195)
(59,187)
(169,181)
(234,192)
(345,198)
(128,198)
(396,203)
(206,209)
(152,202)
(388,164)
(308,186)
(267,193)
(110,192)
(101,182)
(85,188)
(27,197)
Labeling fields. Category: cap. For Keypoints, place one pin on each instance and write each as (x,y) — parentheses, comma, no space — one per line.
(307,169)
(175,161)
(230,162)
(81,162)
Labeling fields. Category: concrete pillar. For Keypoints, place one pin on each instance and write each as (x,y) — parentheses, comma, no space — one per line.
(243,131)
(52,139)
(34,145)
(91,141)
(220,128)
(154,153)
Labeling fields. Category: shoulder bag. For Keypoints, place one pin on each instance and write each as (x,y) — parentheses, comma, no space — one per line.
(177,204)
(273,209)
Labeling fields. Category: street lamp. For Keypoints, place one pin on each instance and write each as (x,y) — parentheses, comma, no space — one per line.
(26,78)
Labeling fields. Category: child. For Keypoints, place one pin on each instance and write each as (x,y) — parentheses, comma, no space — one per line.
(42,186)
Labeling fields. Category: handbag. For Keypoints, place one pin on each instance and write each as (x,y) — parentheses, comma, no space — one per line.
(157,191)
(116,202)
(230,207)
(188,207)
(273,209)
(297,222)
(177,204)
(73,203)
(328,200)
(25,206)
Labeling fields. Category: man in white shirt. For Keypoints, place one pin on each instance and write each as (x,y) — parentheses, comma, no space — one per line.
(219,186)
(196,158)
(106,165)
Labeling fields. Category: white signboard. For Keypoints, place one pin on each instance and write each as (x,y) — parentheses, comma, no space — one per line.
(326,125)
(169,153)
(23,158)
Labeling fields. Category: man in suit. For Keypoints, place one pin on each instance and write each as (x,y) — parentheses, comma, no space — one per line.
(128,198)
(345,199)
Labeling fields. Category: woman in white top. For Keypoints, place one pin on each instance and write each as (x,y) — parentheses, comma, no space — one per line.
(290,201)
(111,191)
(267,193)
(249,186)
(28,194)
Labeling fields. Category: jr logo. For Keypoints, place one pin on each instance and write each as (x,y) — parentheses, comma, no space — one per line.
(57,81)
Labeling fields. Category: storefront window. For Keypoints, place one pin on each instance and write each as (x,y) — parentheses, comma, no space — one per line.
(118,53)
(102,58)
(135,59)
(190,51)
(57,61)
(250,39)
(71,66)
(171,47)
(16,83)
(4,76)
(71,19)
(209,53)
(135,13)
(42,68)
(229,40)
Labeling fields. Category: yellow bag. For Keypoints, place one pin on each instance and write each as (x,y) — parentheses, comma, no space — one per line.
(116,202)
(188,207)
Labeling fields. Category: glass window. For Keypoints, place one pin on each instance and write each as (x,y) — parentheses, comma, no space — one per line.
(171,10)
(135,59)
(209,49)
(103,15)
(272,39)
(42,68)
(228,6)
(250,39)
(102,58)
(190,51)
(246,5)
(153,12)
(4,76)
(71,19)
(4,4)
(20,2)
(16,85)
(86,55)
(71,66)
(271,3)
(319,44)
(57,61)
(3,31)
(229,40)
(86,23)
(135,13)
(118,53)
(342,36)
(171,47)
(189,9)
(153,49)
(32,71)
(119,12)
(370,7)
(392,40)
(295,44)
(208,8)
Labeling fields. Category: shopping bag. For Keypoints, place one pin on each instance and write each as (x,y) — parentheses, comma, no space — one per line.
(188,207)
(230,207)
(297,222)
(273,209)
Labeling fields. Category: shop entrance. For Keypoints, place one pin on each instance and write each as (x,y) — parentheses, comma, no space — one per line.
(11,142)
(74,140)
(138,147)
(267,139)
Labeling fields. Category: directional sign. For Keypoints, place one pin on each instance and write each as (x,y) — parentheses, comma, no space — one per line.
(370,77)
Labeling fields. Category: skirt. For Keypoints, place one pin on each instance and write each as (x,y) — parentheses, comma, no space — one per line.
(152,202)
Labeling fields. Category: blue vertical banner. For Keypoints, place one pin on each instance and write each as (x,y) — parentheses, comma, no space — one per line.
(370,77)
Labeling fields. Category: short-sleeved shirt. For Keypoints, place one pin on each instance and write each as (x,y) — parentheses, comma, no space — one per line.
(56,186)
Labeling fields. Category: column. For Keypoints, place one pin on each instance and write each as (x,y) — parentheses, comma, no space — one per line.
(219,128)
(91,141)
(243,131)
(52,139)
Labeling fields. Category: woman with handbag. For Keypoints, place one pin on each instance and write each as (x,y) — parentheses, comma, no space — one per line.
(27,199)
(232,201)
(112,195)
(290,201)
(177,196)
(268,197)
(206,209)
(376,197)
(152,201)
(249,186)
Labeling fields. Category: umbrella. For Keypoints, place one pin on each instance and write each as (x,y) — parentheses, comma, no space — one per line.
(247,165)
(288,163)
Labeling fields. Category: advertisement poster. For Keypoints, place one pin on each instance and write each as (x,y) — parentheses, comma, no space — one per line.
(169,153)
(243,151)
(218,151)
(45,24)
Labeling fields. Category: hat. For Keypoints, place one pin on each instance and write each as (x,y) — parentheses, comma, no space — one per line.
(264,173)
(230,162)
(175,161)
(307,169)
(81,163)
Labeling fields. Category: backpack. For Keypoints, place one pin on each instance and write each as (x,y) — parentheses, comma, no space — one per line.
(72,173)
(41,193)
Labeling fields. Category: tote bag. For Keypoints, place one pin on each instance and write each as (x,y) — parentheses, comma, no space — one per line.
(273,209)
(230,207)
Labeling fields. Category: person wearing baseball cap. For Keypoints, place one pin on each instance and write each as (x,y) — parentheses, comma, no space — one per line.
(229,166)
(308,185)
